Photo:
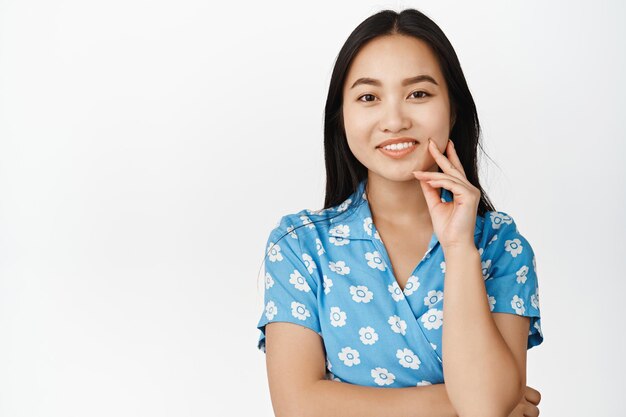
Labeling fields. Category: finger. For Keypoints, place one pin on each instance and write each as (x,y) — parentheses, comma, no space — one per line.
(455,187)
(430,175)
(444,163)
(531,411)
(431,195)
(532,395)
(454,157)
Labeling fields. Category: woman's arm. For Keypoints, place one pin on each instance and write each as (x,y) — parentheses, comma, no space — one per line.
(296,370)
(331,398)
(479,368)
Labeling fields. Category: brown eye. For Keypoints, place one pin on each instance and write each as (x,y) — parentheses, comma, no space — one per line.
(366,95)
(420,92)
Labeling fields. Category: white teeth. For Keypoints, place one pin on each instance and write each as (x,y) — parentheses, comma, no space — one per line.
(399,146)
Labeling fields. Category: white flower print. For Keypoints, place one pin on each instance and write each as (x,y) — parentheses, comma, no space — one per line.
(382,376)
(367,225)
(442,265)
(493,239)
(377,236)
(538,327)
(534,298)
(361,294)
(349,356)
(374,260)
(480,251)
(308,261)
(534,264)
(521,274)
(307,221)
(498,219)
(329,365)
(343,206)
(274,253)
(299,311)
(518,305)
(271,310)
(396,291)
(408,359)
(368,335)
(291,232)
(397,324)
(433,297)
(298,281)
(319,247)
(337,317)
(340,235)
(316,212)
(339,267)
(327,284)
(486,265)
(412,285)
(432,319)
(269,281)
(434,346)
(513,246)
(492,302)
(423,382)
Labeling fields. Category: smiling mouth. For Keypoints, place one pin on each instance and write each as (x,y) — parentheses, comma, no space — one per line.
(399,146)
(400,152)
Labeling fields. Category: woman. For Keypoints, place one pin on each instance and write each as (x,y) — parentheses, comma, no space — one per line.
(354,292)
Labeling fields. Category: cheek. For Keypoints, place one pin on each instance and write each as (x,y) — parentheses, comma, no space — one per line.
(353,121)
(436,115)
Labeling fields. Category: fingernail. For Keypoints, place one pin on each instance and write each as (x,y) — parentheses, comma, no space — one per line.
(452,143)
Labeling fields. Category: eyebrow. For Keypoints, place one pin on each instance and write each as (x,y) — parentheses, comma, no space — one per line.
(408,81)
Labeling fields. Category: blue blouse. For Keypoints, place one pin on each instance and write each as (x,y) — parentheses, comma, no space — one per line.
(329,271)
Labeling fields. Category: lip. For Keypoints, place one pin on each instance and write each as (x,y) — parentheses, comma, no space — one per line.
(397,140)
(399,153)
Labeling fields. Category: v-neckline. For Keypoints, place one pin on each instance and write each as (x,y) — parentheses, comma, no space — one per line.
(383,249)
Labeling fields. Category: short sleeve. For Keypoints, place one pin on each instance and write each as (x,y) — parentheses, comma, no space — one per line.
(290,292)
(509,269)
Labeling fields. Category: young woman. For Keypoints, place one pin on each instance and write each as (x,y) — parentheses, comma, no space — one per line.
(354,293)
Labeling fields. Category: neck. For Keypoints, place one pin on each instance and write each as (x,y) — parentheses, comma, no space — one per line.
(397,202)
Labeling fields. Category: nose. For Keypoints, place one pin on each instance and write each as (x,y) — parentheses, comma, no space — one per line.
(394,118)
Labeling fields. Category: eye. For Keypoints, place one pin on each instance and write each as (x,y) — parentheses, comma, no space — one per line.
(365,95)
(422,92)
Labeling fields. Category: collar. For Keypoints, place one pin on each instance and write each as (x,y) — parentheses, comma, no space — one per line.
(358,216)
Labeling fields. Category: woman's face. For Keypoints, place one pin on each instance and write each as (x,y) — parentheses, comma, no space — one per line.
(384,108)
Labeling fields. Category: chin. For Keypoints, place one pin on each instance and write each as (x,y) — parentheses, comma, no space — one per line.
(398,175)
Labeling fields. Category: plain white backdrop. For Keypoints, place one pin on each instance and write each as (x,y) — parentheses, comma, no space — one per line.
(147,148)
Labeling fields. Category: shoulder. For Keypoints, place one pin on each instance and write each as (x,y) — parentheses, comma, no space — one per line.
(307,224)
(501,236)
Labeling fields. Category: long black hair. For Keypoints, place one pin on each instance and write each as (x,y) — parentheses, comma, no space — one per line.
(343,171)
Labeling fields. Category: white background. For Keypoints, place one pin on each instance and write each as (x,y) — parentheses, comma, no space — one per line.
(147,148)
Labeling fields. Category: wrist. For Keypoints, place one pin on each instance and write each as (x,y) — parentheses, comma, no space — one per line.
(460,250)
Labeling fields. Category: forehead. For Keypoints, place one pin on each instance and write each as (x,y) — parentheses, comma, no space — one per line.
(392,58)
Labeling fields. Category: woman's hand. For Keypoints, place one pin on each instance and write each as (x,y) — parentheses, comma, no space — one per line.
(453,222)
(528,406)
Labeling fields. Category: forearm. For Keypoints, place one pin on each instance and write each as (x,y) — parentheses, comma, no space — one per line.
(480,371)
(327,398)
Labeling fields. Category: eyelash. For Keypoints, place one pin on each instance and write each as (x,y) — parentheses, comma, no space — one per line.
(369,101)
